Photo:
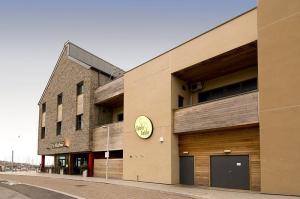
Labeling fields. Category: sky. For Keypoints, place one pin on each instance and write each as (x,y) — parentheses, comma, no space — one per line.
(124,32)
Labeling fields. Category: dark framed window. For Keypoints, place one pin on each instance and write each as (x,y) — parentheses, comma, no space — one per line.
(43,107)
(80,88)
(59,99)
(180,101)
(230,90)
(79,122)
(43,132)
(120,117)
(58,128)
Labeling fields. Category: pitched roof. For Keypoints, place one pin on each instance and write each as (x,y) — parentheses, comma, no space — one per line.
(87,60)
(92,61)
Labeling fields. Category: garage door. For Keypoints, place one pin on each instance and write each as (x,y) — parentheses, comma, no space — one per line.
(230,171)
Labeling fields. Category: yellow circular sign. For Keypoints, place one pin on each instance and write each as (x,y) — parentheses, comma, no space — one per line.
(143,127)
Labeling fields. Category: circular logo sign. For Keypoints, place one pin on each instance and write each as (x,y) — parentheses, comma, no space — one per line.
(143,127)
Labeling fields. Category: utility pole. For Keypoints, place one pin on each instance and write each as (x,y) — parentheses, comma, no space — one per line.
(12,160)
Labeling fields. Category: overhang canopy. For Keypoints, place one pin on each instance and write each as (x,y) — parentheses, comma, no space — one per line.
(239,58)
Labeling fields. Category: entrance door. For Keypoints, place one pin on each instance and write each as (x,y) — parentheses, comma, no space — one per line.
(79,161)
(230,171)
(187,170)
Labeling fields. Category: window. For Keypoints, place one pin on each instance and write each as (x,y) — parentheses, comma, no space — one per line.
(120,117)
(80,88)
(233,89)
(43,107)
(79,122)
(43,132)
(58,128)
(59,99)
(180,101)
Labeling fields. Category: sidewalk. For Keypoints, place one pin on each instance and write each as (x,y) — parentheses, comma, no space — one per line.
(191,191)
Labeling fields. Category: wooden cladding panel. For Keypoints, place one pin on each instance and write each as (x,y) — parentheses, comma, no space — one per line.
(229,112)
(79,104)
(59,113)
(43,119)
(115,137)
(244,141)
(115,168)
(109,90)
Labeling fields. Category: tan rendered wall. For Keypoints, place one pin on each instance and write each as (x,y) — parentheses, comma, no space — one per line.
(178,90)
(230,35)
(279,78)
(147,91)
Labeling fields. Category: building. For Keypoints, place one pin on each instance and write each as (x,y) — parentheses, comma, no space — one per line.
(67,110)
(219,110)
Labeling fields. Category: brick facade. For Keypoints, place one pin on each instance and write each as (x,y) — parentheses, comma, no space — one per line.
(65,78)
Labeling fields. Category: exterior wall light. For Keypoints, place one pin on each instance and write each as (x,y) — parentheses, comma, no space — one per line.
(67,143)
(161,139)
(227,151)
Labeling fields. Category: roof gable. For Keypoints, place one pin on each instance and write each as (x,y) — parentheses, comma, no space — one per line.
(85,59)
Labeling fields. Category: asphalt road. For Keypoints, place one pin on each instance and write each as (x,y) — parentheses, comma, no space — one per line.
(9,190)
(8,193)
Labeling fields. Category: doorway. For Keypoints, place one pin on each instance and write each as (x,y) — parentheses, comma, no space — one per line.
(187,170)
(80,163)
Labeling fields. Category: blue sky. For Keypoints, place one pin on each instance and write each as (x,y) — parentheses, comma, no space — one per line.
(123,32)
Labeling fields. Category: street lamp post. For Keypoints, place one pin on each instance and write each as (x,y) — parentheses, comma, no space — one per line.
(12,156)
(12,160)
(107,152)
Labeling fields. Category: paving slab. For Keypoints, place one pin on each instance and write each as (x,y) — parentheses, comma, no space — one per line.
(174,190)
(91,190)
